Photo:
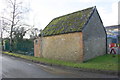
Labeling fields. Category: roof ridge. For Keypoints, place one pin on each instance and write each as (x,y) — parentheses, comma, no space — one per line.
(89,17)
(113,25)
(75,12)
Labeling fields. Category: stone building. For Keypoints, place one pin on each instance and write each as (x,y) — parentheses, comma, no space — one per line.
(78,37)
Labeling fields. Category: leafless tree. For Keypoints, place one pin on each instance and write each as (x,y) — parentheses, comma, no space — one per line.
(14,17)
(4,28)
(34,33)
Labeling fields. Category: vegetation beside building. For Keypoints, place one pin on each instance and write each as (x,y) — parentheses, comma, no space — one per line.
(104,63)
(24,46)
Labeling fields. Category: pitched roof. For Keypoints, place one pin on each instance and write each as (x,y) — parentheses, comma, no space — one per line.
(69,23)
(113,27)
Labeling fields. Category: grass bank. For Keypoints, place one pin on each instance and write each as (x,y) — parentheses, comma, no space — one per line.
(106,62)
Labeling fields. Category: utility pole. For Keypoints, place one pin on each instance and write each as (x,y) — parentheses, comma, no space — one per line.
(1,42)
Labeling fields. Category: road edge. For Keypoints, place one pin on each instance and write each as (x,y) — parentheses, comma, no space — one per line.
(71,68)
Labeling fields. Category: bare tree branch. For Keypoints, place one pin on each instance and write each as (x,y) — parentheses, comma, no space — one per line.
(17,22)
(6,19)
(10,2)
(18,14)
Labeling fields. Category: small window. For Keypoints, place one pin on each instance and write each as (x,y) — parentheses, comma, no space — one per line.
(36,41)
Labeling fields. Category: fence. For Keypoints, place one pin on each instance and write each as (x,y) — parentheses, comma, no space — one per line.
(25,46)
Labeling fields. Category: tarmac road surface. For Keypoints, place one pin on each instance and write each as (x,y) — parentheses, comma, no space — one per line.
(13,67)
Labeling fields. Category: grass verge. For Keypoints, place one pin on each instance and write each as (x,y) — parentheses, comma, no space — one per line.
(106,62)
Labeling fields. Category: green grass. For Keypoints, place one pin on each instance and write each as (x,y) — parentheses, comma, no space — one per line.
(106,62)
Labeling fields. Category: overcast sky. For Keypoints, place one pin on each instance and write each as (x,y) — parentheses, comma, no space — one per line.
(43,11)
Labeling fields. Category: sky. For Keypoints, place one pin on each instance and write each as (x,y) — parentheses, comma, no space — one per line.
(43,11)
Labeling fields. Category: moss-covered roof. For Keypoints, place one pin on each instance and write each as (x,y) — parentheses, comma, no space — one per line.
(73,22)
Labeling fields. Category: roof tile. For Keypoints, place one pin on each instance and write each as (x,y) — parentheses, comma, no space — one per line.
(73,22)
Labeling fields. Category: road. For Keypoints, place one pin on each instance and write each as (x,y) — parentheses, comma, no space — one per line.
(18,68)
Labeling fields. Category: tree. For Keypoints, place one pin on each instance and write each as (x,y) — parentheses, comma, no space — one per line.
(34,33)
(19,33)
(3,29)
(15,16)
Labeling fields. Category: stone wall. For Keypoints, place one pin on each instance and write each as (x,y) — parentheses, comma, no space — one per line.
(94,37)
(67,47)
